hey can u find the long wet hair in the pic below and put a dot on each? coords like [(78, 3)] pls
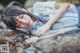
[(13, 9)]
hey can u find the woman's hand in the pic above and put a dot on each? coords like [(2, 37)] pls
[(43, 29), (33, 40)]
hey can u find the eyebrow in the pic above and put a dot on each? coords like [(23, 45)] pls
[(15, 20), (19, 24)]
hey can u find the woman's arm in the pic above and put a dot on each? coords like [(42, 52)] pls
[(62, 9)]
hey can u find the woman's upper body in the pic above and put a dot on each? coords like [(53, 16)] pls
[(45, 16), (54, 16)]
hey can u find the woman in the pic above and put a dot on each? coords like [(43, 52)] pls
[(45, 16)]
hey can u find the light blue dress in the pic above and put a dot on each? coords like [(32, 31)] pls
[(46, 10)]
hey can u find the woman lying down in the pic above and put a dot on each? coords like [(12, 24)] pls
[(45, 16)]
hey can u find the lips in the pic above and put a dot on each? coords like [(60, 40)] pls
[(29, 24)]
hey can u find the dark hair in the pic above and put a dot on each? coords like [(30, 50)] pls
[(13, 9)]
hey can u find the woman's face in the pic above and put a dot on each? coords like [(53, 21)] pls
[(23, 21)]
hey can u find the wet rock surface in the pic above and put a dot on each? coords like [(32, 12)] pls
[(59, 45)]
